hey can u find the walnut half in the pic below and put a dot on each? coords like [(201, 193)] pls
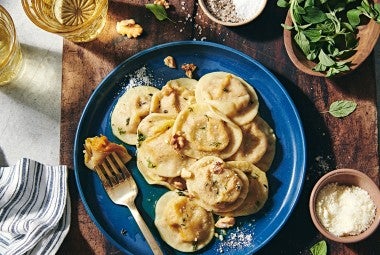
[(189, 69), (178, 141), (170, 62), (164, 3), (129, 28), (225, 222)]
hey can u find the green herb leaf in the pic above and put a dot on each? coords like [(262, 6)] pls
[(319, 248), (342, 108), (158, 11), (282, 3), (314, 15), (326, 30), (353, 17), (302, 42)]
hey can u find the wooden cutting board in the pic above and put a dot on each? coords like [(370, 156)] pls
[(331, 142)]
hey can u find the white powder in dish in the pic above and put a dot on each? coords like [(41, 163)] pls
[(246, 9), (345, 210), (234, 10)]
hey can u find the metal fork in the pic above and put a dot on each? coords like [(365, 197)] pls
[(122, 189)]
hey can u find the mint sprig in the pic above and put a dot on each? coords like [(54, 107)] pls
[(326, 31)]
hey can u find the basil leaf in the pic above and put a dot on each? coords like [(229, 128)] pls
[(319, 248), (342, 108), (158, 11)]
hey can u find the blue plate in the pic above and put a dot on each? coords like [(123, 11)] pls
[(285, 177)]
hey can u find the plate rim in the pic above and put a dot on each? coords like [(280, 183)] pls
[(298, 187)]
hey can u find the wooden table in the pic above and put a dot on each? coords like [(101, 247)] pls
[(331, 142)]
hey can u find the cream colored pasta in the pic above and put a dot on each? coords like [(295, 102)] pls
[(172, 183), (257, 192), (206, 139), (216, 186), (154, 124), (129, 110), (259, 144), (183, 224), (200, 131), (160, 157), (230, 94), (174, 96)]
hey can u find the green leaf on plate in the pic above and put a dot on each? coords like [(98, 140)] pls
[(342, 108), (319, 248)]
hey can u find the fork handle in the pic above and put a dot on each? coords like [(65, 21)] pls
[(145, 230)]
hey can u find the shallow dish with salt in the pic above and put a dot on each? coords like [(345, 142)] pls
[(243, 12), (349, 178)]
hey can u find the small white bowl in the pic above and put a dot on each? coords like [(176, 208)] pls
[(232, 24)]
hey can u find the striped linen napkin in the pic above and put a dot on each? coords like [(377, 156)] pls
[(34, 208)]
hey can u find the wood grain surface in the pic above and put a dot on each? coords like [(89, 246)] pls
[(350, 142)]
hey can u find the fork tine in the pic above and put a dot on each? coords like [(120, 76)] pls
[(121, 165), (106, 182), (109, 173), (116, 173)]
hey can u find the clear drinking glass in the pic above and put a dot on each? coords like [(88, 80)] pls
[(10, 50), (75, 20)]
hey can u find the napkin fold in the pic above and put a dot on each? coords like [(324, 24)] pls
[(34, 208)]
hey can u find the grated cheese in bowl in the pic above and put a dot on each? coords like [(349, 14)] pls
[(345, 210)]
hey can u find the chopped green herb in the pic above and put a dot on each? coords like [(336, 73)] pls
[(215, 144), (121, 131), (181, 193), (127, 121), (150, 164), (195, 245), (140, 138)]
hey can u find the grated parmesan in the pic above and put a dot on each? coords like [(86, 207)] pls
[(345, 210)]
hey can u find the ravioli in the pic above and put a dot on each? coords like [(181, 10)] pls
[(154, 124), (216, 186), (230, 94), (160, 157), (200, 131), (174, 96), (266, 161), (183, 224), (258, 145), (257, 192), (129, 110)]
